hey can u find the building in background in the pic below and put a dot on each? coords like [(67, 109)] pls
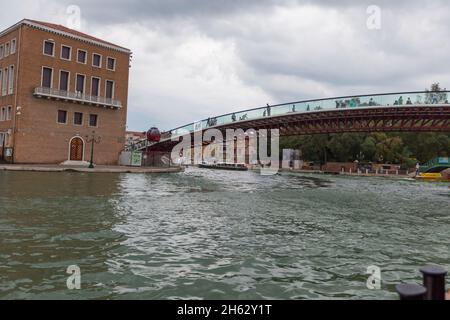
[(58, 86), (135, 136)]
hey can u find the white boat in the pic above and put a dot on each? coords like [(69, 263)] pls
[(224, 166)]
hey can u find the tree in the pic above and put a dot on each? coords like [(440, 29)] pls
[(435, 94), (369, 148), (398, 148), (345, 147)]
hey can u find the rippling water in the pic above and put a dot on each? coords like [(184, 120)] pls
[(216, 235)]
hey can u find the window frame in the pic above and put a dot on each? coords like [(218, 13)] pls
[(11, 79), (14, 40), (96, 120), (101, 60), (70, 52), (107, 63), (43, 48), (68, 80), (66, 118), (85, 57), (76, 83), (82, 119), (99, 85), (7, 48), (8, 113), (113, 93), (42, 77), (4, 81)]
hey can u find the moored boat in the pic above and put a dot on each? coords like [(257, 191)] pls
[(436, 176), (224, 166)]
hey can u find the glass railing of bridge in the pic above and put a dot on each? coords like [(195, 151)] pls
[(395, 99)]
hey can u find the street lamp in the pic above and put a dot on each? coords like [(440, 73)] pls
[(15, 129), (92, 139)]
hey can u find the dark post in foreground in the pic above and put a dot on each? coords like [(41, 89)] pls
[(92, 139), (434, 281), (411, 291), (433, 285)]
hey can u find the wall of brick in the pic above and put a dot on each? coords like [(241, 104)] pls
[(9, 99), (39, 138)]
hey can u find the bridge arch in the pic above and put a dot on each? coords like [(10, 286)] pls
[(416, 111)]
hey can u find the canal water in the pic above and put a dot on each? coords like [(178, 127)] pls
[(216, 235)]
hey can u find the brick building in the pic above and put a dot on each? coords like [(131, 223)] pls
[(58, 86)]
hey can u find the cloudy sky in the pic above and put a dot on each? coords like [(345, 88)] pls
[(197, 58)]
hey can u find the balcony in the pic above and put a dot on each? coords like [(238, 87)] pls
[(76, 97)]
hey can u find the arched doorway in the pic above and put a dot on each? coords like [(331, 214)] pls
[(76, 149)]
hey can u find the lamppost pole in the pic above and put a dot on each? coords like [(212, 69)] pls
[(92, 139)]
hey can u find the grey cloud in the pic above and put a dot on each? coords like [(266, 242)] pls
[(136, 10), (119, 11), (259, 50)]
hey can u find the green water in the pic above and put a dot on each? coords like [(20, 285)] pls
[(216, 234)]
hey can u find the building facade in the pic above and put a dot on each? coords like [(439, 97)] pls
[(58, 86)]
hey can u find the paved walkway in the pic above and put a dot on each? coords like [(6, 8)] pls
[(97, 169)]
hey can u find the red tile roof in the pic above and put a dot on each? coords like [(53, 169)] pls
[(76, 33)]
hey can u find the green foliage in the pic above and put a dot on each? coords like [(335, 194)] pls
[(399, 148), (435, 94)]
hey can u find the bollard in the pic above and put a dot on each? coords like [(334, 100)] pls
[(434, 282), (411, 291)]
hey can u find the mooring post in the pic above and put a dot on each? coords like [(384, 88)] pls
[(434, 282), (408, 291)]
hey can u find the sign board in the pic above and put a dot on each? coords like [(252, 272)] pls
[(443, 160), (136, 159)]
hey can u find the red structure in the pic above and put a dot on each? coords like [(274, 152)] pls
[(153, 135), (416, 118), (382, 119)]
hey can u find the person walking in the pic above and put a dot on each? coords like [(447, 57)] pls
[(417, 169)]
